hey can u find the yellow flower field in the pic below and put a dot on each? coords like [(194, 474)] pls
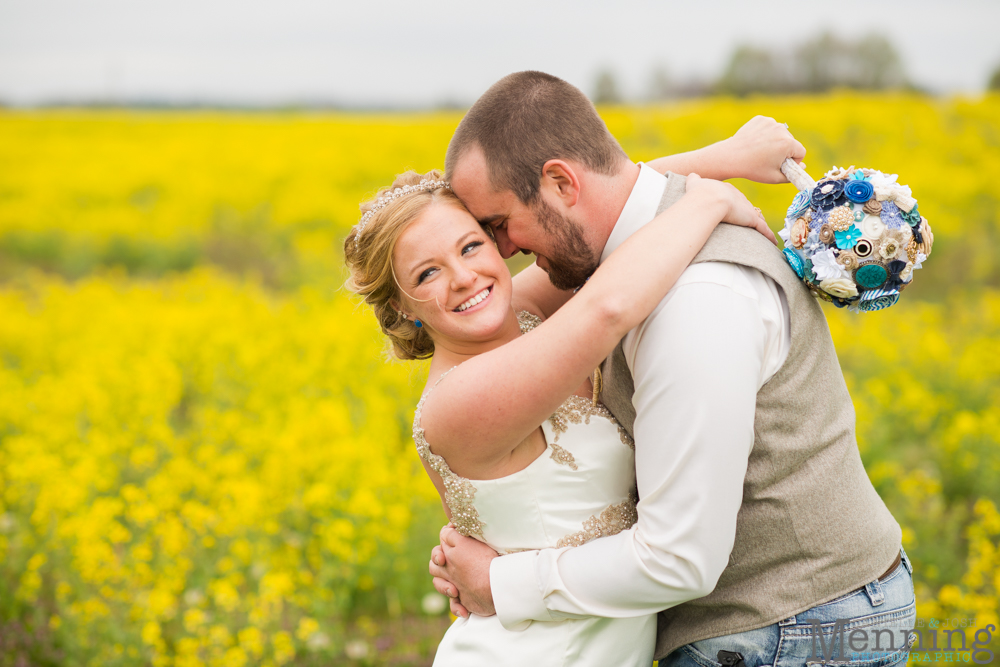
[(206, 459)]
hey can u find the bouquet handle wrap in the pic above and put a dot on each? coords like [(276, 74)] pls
[(797, 176)]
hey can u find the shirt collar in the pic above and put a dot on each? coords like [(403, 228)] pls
[(639, 209)]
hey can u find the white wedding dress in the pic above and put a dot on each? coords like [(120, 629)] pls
[(580, 488)]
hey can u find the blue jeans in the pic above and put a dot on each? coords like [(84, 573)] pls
[(870, 627)]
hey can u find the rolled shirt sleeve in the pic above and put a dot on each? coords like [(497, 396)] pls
[(697, 363)]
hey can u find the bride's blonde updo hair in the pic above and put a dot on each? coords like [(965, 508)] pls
[(368, 252)]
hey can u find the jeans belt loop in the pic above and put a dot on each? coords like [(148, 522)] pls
[(875, 593), (906, 560), (786, 622)]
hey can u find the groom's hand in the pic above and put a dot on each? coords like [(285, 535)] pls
[(758, 148), (461, 569)]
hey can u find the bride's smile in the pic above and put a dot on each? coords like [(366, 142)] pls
[(475, 301)]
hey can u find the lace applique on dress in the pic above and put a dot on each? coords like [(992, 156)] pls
[(613, 520), (459, 493), (560, 455), (577, 410), (528, 321)]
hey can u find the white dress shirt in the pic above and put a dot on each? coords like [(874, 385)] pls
[(698, 361)]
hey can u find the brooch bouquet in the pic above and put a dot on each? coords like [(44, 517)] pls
[(855, 237)]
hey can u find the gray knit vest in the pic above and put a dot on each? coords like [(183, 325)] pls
[(811, 526)]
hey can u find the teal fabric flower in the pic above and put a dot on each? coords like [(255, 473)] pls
[(795, 262), (912, 218), (808, 274), (847, 238)]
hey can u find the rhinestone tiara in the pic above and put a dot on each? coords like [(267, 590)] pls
[(393, 195)]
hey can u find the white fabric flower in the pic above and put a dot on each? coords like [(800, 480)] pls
[(785, 235), (879, 179), (887, 189), (825, 266), (906, 273), (842, 287)]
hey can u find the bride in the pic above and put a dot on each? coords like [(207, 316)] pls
[(509, 428)]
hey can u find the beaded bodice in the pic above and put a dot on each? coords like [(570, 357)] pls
[(579, 489)]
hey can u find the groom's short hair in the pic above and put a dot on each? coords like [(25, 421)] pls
[(526, 119)]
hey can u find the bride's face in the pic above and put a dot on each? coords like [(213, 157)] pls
[(459, 286)]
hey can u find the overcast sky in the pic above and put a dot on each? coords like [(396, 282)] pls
[(419, 53)]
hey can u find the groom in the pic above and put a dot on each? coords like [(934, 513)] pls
[(754, 508)]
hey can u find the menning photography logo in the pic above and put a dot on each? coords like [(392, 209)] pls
[(932, 640)]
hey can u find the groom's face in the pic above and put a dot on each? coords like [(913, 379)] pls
[(557, 242)]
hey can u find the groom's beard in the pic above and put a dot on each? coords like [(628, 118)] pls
[(572, 261)]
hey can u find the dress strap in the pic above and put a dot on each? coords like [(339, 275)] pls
[(441, 377), (417, 426)]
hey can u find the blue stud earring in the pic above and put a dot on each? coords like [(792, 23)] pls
[(418, 323)]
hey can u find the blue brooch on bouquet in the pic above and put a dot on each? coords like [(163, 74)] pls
[(855, 237)]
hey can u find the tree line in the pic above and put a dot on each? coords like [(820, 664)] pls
[(817, 65)]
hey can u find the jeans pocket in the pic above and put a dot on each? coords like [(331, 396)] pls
[(758, 647), (697, 657), (871, 658)]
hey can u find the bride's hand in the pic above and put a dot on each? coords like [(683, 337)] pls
[(739, 210)]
